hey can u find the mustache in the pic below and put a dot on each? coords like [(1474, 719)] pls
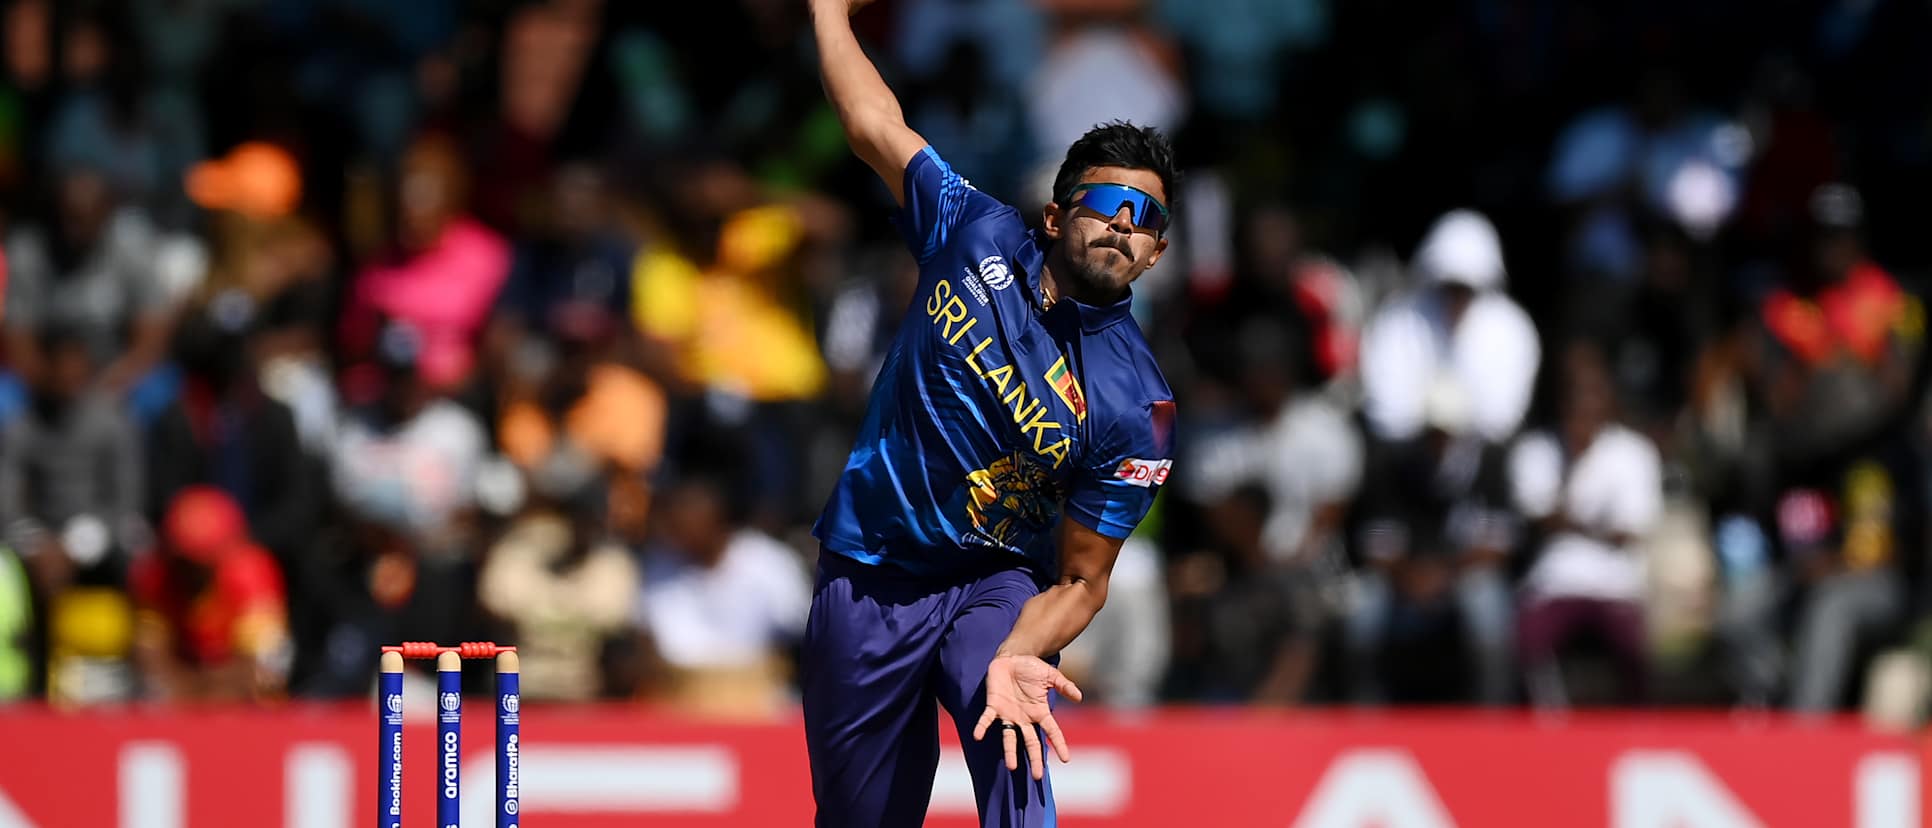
[(1117, 243)]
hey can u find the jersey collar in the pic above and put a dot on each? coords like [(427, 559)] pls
[(1095, 318)]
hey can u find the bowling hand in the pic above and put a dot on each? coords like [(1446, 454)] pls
[(1016, 699)]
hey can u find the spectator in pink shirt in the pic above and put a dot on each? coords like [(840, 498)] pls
[(441, 277)]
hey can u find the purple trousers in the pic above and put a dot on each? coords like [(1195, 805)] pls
[(1548, 624), (883, 651)]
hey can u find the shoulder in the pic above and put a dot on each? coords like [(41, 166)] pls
[(1867, 279), (660, 263), (1628, 446), (1500, 325), (447, 414), (1132, 399), (755, 554), (452, 423), (754, 547), (1402, 316), (474, 245), (252, 572), (472, 234), (133, 244), (1138, 373), (1315, 417), (1499, 308), (959, 202), (130, 230), (612, 560), (631, 384), (1535, 448)]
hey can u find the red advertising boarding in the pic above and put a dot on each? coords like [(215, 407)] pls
[(600, 767)]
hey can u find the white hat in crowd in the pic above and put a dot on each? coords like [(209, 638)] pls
[(1462, 248)]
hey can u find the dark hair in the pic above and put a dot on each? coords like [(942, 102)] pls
[(1119, 144), (716, 485)]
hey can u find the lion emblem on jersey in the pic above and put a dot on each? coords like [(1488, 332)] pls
[(1011, 498)]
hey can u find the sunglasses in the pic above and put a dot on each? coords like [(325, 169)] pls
[(1106, 199)]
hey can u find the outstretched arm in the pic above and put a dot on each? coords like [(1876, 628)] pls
[(1018, 679), (1052, 619), (1101, 510), (874, 125)]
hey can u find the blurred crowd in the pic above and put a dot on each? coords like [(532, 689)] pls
[(1527, 351)]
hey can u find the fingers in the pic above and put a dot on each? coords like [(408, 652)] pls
[(1065, 686), (1056, 738), (1009, 740), (1033, 758), (985, 721)]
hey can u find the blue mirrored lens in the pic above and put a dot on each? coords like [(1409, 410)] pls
[(1107, 199)]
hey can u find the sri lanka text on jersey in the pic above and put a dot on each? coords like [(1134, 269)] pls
[(949, 312)]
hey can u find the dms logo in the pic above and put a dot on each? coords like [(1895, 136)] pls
[(511, 703), (1143, 473), (994, 272), (395, 704), (452, 701)]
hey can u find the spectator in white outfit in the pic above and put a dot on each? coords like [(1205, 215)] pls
[(1459, 323), (1595, 490), (722, 606)]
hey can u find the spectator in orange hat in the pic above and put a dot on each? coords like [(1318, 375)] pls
[(273, 269), (256, 179), (212, 610)]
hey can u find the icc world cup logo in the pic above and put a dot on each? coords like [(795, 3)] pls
[(994, 272), (452, 701), (395, 704), (510, 703)]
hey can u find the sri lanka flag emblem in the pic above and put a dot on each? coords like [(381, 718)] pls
[(1068, 388)]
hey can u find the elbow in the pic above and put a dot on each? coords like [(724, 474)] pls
[(1091, 589), (870, 127)]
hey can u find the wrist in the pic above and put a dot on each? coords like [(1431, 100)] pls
[(1010, 648)]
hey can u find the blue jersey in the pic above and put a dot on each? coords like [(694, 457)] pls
[(993, 415)]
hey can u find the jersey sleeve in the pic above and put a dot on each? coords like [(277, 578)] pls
[(1131, 462), (938, 202)]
